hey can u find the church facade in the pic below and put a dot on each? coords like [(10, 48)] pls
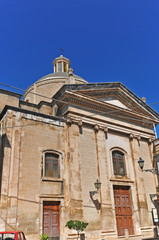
[(55, 143)]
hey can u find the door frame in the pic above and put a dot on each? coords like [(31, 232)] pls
[(52, 204), (41, 212), (128, 187)]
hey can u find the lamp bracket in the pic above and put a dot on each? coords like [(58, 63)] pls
[(152, 196), (154, 200), (150, 170)]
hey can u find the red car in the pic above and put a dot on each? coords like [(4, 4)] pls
[(12, 235)]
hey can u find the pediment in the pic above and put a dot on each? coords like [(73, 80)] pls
[(115, 97), (109, 95), (114, 101), (119, 96)]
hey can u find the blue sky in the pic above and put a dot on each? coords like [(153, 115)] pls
[(105, 40)]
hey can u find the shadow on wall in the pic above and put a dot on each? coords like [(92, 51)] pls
[(96, 202), (4, 142)]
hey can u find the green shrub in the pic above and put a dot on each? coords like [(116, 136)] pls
[(44, 237), (79, 226)]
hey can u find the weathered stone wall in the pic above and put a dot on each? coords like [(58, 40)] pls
[(85, 156), (8, 98), (93, 151), (22, 182)]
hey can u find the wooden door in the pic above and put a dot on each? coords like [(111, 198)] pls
[(123, 210), (51, 225)]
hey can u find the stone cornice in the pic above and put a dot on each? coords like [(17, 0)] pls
[(122, 180), (17, 95), (115, 92), (104, 87), (103, 107), (107, 127), (30, 115)]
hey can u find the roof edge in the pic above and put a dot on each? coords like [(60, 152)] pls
[(22, 110), (17, 95)]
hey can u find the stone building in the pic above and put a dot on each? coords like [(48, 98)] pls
[(58, 140)]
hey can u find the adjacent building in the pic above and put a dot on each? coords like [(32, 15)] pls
[(55, 143)]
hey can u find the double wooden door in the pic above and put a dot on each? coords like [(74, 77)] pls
[(51, 223), (123, 210)]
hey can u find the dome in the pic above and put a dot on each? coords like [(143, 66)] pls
[(59, 75), (46, 87)]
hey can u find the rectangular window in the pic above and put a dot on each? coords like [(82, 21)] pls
[(65, 67), (51, 165), (10, 236), (59, 67)]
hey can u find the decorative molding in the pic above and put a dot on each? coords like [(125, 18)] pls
[(111, 127), (106, 109), (69, 121), (96, 128), (131, 136), (51, 196), (105, 129), (121, 180), (20, 115), (80, 123), (138, 137), (150, 140)]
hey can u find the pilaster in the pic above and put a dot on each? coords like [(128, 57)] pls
[(74, 166), (139, 181)]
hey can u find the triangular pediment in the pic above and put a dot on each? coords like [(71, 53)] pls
[(114, 101), (118, 95), (113, 95)]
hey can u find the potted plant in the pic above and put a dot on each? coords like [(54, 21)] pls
[(44, 237), (77, 225)]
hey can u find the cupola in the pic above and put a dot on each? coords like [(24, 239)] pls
[(51, 83), (61, 64)]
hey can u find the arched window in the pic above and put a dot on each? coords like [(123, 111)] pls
[(118, 163), (51, 165)]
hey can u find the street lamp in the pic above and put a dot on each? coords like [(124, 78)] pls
[(141, 164), (97, 185)]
